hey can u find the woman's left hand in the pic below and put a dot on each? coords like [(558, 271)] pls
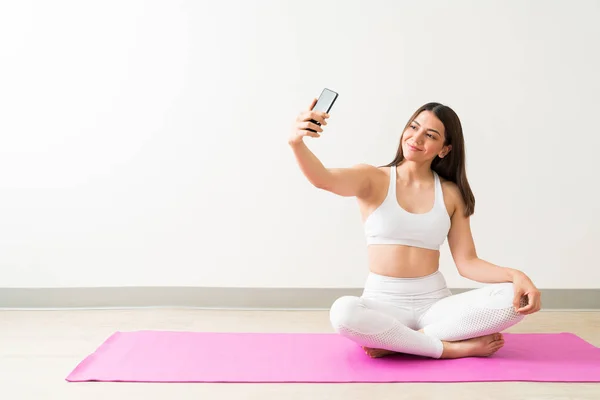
[(524, 287)]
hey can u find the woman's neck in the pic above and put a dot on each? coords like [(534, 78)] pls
[(415, 172)]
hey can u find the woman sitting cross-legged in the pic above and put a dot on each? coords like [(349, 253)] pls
[(409, 208)]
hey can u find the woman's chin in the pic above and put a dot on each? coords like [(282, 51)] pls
[(412, 156), (416, 156)]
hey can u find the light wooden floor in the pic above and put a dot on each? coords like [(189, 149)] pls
[(39, 348)]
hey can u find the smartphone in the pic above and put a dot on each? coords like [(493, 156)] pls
[(324, 103)]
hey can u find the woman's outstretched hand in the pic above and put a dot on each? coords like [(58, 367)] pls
[(524, 287), (303, 123)]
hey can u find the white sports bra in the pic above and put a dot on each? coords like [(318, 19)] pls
[(391, 224)]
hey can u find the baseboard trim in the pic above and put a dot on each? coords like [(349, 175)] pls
[(231, 298)]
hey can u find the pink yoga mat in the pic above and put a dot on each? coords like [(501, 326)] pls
[(158, 356)]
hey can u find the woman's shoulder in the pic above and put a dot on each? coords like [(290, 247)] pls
[(451, 193), (385, 169), (372, 169), (447, 183)]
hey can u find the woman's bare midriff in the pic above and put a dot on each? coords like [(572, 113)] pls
[(394, 260), (402, 261)]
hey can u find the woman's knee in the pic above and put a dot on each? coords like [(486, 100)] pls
[(502, 298), (502, 295), (343, 311)]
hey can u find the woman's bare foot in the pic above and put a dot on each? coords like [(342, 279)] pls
[(377, 353), (483, 346)]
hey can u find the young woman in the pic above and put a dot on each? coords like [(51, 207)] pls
[(409, 207)]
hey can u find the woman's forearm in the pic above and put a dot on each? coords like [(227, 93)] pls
[(485, 272)]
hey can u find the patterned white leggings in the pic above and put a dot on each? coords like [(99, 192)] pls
[(391, 310)]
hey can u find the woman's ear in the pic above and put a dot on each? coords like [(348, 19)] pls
[(445, 151)]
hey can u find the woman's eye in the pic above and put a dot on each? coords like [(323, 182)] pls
[(429, 135), (413, 127)]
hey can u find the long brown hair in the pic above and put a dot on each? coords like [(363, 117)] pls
[(452, 166)]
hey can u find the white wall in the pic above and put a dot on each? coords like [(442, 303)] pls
[(144, 143)]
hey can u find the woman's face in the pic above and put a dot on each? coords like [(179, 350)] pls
[(424, 138)]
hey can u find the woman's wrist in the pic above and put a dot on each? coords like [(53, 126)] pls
[(515, 274)]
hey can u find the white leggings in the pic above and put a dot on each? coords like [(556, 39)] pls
[(391, 310)]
